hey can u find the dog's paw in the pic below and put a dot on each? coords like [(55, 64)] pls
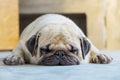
[(101, 59), (13, 60)]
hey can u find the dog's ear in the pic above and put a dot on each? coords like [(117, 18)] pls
[(32, 44), (85, 47)]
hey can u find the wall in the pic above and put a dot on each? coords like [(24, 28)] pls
[(8, 24)]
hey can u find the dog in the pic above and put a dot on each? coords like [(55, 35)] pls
[(53, 39)]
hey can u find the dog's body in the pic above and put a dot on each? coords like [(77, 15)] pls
[(53, 39)]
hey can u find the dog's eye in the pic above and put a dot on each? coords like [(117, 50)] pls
[(45, 50), (74, 51)]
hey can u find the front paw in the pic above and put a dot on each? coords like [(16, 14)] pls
[(13, 60), (101, 59)]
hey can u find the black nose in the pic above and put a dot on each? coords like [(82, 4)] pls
[(60, 53)]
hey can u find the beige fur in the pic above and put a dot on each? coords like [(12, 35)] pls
[(58, 31)]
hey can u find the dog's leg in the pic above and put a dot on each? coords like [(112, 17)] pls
[(95, 56), (16, 58)]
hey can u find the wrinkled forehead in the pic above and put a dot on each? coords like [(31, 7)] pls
[(60, 28), (59, 41), (57, 34)]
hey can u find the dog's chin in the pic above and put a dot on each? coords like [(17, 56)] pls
[(54, 61)]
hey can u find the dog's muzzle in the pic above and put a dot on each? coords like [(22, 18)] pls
[(59, 54), (60, 57)]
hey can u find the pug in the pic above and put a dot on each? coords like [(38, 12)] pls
[(54, 39)]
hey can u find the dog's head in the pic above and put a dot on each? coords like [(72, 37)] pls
[(59, 45)]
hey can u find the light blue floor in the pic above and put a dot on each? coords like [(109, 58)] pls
[(79, 72)]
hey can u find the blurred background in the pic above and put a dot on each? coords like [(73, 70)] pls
[(99, 19)]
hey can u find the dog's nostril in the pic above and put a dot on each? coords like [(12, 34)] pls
[(60, 53)]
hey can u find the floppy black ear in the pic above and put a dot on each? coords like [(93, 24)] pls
[(85, 47), (32, 44)]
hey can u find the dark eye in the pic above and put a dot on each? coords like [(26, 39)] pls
[(74, 51), (45, 50)]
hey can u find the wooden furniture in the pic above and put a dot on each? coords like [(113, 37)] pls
[(99, 19), (94, 10), (8, 24), (113, 24)]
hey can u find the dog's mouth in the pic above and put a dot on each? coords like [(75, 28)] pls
[(55, 61), (60, 56)]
